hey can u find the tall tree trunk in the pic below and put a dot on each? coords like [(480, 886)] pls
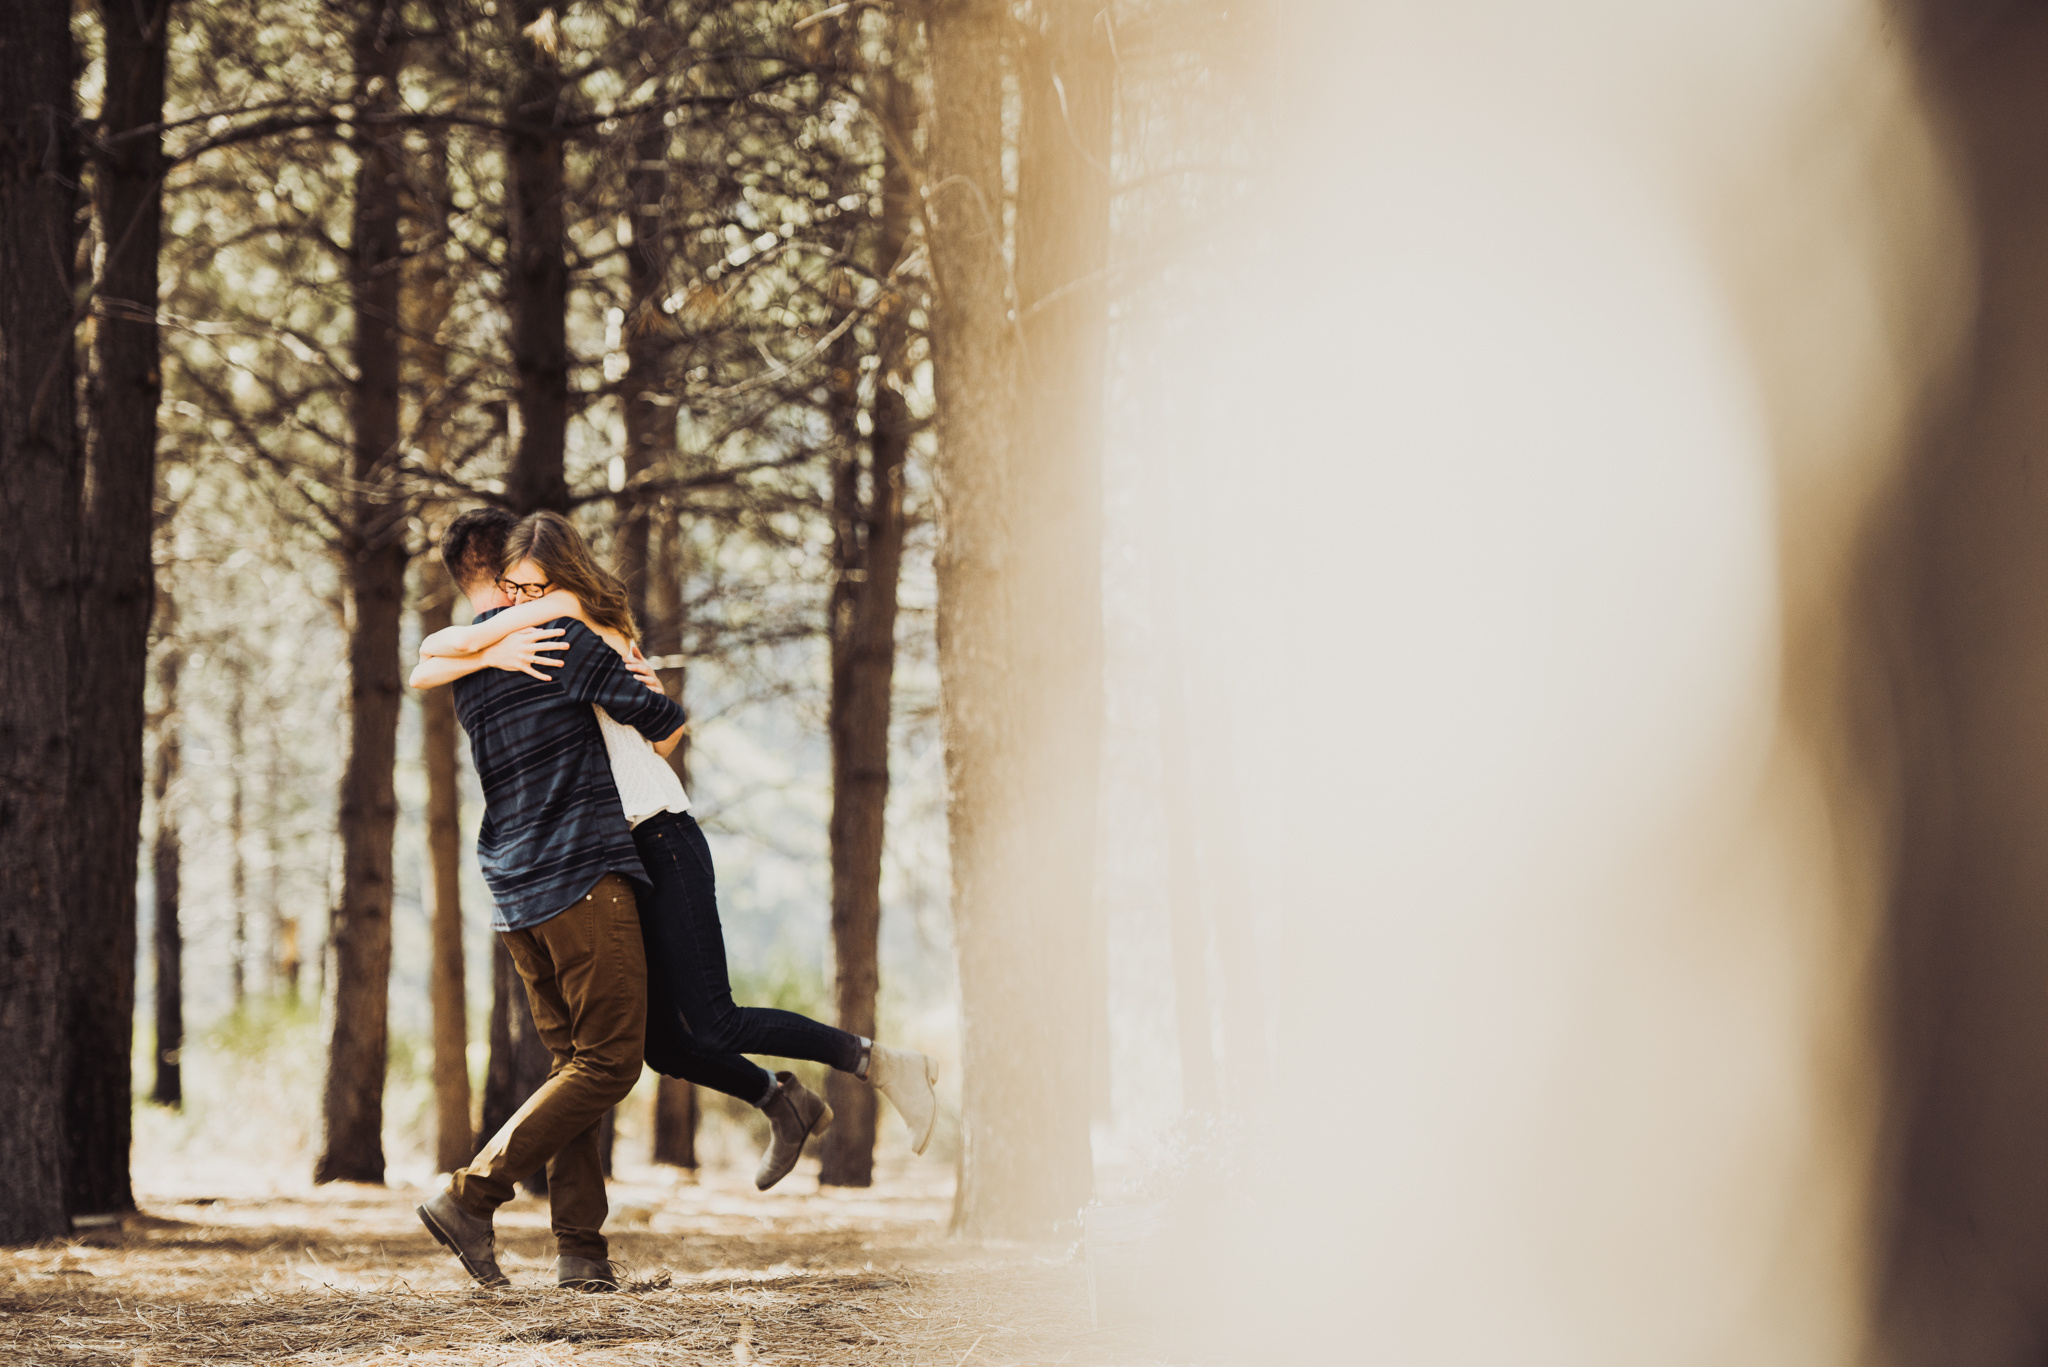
[(1025, 1163), (352, 1147), (536, 271), (676, 1108), (675, 1123), (168, 1088), (447, 990), (537, 295), (868, 551), (428, 292), (115, 604), (39, 486), (648, 405)]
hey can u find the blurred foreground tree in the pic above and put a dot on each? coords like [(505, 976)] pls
[(1019, 584), (39, 526)]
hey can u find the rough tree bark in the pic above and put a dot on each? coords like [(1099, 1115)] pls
[(868, 555), (39, 482), (168, 1087), (115, 600), (536, 271), (374, 548), (646, 401)]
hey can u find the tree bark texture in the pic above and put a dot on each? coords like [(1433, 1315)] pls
[(352, 1147), (115, 600), (645, 398), (168, 1087), (868, 553), (39, 489), (536, 271)]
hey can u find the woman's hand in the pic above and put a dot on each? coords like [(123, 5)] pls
[(641, 670), (525, 648)]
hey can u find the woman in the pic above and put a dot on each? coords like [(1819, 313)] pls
[(695, 1029)]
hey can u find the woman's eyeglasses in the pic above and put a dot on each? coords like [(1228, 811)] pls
[(519, 593)]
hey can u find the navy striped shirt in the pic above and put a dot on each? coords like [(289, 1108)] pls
[(553, 825)]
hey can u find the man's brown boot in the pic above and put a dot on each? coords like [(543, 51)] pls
[(469, 1237), (796, 1113), (585, 1274)]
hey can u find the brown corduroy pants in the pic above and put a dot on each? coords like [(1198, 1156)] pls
[(586, 977)]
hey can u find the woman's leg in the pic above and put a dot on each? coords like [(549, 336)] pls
[(686, 952), (673, 1053)]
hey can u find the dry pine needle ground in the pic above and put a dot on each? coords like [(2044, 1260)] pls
[(715, 1274)]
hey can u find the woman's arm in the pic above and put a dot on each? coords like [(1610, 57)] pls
[(483, 635), (518, 652)]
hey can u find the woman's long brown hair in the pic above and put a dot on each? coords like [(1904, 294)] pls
[(550, 542)]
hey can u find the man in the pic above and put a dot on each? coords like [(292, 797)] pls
[(561, 866)]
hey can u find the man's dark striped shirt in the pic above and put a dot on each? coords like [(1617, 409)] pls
[(553, 825)]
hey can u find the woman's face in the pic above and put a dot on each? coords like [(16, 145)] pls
[(524, 582)]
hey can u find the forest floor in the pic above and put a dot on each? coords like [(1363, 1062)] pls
[(713, 1272)]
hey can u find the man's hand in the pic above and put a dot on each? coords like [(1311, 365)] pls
[(637, 665), (524, 649)]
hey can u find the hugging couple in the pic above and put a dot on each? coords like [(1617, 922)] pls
[(604, 893)]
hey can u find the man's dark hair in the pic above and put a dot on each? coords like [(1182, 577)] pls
[(473, 547)]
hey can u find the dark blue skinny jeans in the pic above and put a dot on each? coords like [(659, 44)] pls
[(694, 1028)]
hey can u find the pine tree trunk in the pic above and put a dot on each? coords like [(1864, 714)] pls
[(676, 1108), (536, 271), (447, 989), (352, 1147), (675, 1123), (428, 292), (168, 1088), (868, 545), (39, 848), (1024, 1160), (115, 602), (645, 397)]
